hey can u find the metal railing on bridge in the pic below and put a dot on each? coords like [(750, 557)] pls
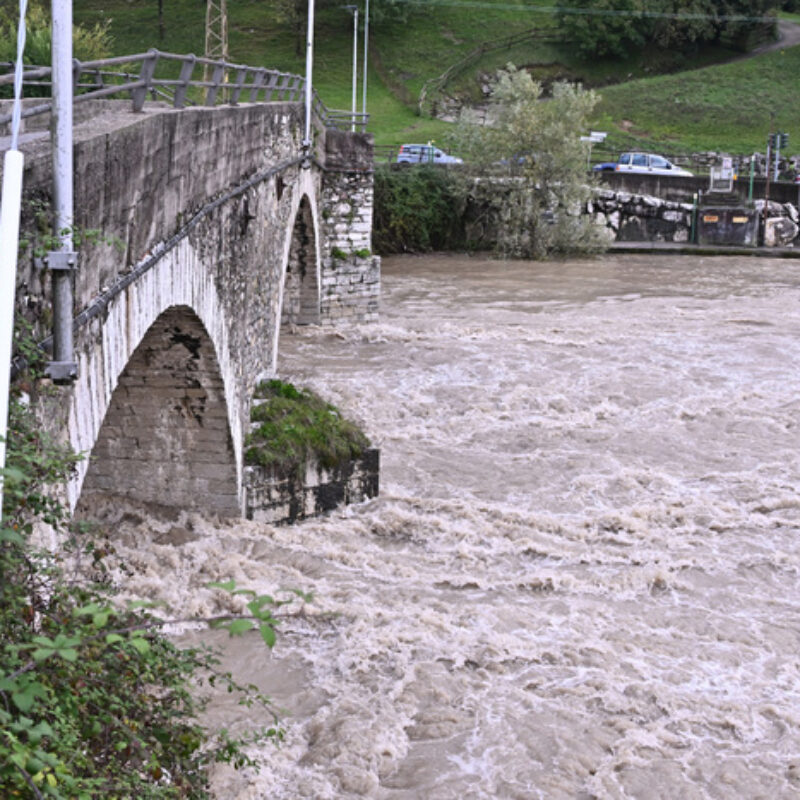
[(169, 77)]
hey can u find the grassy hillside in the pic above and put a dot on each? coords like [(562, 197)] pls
[(730, 106)]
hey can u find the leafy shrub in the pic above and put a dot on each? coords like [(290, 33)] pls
[(416, 209), (88, 43), (295, 426), (94, 700)]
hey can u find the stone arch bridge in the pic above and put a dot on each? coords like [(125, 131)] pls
[(215, 232)]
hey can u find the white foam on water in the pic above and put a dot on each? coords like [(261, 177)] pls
[(581, 579)]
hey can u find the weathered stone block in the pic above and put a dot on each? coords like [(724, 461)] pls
[(279, 498)]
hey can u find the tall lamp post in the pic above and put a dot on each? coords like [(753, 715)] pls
[(309, 70), (354, 11), (62, 261), (366, 41)]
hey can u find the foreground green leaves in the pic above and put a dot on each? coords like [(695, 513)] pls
[(94, 700)]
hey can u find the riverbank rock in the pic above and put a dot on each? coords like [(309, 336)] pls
[(779, 231)]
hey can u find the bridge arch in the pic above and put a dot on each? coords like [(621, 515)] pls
[(299, 296), (165, 437), (172, 307), (300, 303)]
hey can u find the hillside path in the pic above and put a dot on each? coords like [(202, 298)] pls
[(788, 36)]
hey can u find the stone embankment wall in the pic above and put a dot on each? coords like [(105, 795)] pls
[(628, 217), (683, 189), (639, 217)]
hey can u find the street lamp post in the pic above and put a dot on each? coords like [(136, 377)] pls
[(364, 81), (309, 70), (354, 11)]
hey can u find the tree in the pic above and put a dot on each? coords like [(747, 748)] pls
[(88, 43), (616, 27), (603, 27), (546, 185)]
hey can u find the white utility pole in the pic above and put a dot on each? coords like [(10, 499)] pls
[(309, 70), (354, 11), (10, 204), (366, 43), (13, 162)]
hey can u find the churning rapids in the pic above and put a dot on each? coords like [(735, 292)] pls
[(582, 576)]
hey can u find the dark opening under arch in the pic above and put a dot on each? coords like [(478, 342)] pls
[(165, 438), (301, 283)]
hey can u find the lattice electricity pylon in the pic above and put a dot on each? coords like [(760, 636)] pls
[(216, 33)]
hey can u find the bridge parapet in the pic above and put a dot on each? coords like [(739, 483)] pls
[(169, 76)]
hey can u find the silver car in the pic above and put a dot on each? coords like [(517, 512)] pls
[(648, 164), (424, 154)]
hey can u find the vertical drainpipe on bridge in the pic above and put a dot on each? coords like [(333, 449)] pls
[(309, 70), (62, 262)]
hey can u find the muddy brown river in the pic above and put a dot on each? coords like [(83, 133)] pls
[(581, 578)]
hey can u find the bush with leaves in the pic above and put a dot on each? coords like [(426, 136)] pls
[(619, 27), (529, 160), (95, 701), (88, 43), (417, 209)]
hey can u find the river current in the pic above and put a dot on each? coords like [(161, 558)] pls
[(582, 576)]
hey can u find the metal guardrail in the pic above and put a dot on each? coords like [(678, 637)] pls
[(223, 83)]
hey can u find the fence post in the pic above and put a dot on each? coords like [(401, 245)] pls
[(258, 82), (241, 77), (187, 68), (216, 80), (271, 85), (77, 69), (139, 93), (294, 88), (284, 86)]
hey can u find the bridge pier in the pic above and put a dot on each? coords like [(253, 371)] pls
[(350, 272)]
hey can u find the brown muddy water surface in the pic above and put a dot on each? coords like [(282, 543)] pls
[(581, 577)]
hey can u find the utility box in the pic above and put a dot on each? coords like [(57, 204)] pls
[(727, 225), (722, 177)]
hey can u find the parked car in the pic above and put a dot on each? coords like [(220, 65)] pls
[(424, 154), (647, 164)]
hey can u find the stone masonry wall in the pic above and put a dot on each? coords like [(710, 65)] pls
[(167, 424), (630, 217), (639, 217)]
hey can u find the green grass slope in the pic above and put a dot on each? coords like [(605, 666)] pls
[(730, 107), (662, 101)]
